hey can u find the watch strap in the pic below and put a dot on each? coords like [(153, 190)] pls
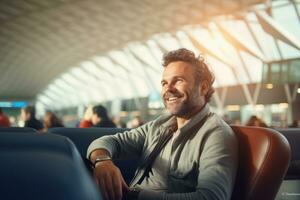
[(100, 159)]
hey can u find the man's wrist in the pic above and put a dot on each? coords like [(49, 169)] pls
[(101, 158)]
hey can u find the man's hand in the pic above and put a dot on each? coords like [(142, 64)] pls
[(110, 180)]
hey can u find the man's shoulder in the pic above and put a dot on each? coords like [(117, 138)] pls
[(217, 120), (160, 120), (216, 123), (154, 125)]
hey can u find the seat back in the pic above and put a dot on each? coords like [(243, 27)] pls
[(83, 137), (42, 167), (264, 156), (290, 188), (293, 137), (18, 130)]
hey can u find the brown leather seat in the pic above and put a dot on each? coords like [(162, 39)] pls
[(264, 156)]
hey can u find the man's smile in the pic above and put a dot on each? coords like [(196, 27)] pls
[(171, 98)]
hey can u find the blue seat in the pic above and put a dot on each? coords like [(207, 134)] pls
[(43, 167), (82, 138), (18, 130), (290, 188), (293, 137)]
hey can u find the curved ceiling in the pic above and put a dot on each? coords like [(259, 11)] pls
[(39, 40), (66, 53)]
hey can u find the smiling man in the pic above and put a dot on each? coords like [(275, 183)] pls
[(189, 153)]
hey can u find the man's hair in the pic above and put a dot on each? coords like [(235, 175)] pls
[(0, 110), (100, 111), (203, 73), (30, 110)]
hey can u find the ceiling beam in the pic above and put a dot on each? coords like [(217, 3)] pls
[(276, 30)]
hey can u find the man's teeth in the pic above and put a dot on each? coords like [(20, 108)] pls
[(172, 98)]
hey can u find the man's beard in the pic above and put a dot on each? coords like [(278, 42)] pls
[(183, 108)]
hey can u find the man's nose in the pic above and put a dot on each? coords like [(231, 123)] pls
[(169, 88)]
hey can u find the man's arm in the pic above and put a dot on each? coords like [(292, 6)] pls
[(107, 175), (122, 145), (98, 153), (217, 170)]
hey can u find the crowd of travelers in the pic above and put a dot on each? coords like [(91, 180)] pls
[(97, 116), (94, 116)]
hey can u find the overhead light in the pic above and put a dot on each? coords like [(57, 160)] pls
[(298, 90), (259, 107), (233, 107), (269, 86), (283, 105)]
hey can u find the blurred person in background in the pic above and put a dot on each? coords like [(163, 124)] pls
[(28, 116), (294, 124), (118, 122), (13, 121), (86, 122), (255, 121), (135, 122), (100, 117), (51, 121), (4, 121)]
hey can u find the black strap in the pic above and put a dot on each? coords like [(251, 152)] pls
[(147, 165), (157, 149)]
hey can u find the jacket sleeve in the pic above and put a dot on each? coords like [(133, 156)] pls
[(217, 170), (122, 145)]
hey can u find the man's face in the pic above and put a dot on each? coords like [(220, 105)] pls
[(182, 94)]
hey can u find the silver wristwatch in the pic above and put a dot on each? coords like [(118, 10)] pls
[(101, 158)]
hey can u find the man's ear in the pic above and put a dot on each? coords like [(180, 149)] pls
[(204, 88)]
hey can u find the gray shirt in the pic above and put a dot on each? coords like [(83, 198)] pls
[(157, 179), (202, 161)]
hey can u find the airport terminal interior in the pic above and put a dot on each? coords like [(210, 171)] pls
[(62, 61), (67, 55)]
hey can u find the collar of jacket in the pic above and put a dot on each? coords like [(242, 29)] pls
[(171, 123)]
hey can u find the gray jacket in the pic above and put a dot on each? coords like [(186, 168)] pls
[(203, 161)]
